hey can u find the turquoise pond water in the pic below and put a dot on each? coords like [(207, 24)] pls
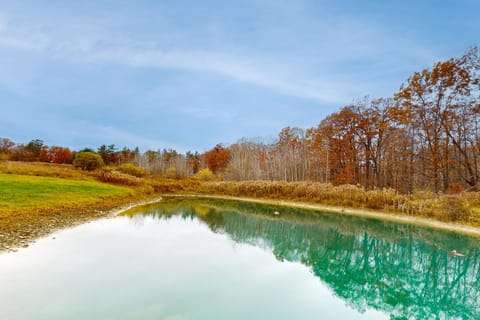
[(218, 259)]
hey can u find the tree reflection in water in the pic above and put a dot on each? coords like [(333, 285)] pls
[(404, 270)]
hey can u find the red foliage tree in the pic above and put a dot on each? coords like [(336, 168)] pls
[(59, 155), (218, 158)]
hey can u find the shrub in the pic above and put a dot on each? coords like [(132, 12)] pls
[(172, 173), (131, 169), (167, 185), (107, 174), (205, 174), (4, 156), (455, 188), (87, 161), (455, 208)]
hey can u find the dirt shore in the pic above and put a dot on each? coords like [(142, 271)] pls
[(24, 233)]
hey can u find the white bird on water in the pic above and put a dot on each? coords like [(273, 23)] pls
[(276, 213), (457, 254)]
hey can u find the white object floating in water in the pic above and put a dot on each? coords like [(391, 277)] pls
[(276, 213), (457, 254)]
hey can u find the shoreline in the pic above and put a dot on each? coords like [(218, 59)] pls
[(392, 217), (13, 244), (115, 212)]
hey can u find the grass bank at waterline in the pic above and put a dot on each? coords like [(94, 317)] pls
[(34, 206)]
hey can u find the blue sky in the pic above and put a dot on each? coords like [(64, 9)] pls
[(190, 74)]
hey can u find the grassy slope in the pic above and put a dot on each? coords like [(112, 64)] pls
[(38, 199), (20, 192)]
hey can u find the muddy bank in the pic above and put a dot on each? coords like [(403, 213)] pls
[(23, 229)]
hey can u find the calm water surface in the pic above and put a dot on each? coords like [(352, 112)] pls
[(214, 259)]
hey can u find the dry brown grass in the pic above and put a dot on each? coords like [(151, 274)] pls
[(162, 185), (444, 207), (42, 169), (110, 175), (131, 169)]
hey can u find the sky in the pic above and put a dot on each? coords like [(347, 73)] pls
[(187, 75)]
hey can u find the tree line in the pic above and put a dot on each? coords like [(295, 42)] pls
[(426, 136)]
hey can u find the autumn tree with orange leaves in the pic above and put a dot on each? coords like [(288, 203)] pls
[(59, 155), (218, 158), (442, 107)]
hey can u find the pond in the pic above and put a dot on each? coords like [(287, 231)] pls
[(187, 258)]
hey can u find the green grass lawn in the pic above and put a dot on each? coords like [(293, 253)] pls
[(20, 192)]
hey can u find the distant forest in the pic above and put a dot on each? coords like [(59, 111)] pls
[(427, 136)]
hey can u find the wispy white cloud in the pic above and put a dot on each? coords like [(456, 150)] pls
[(318, 71), (203, 112), (249, 71), (257, 70)]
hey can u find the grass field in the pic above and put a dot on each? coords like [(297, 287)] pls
[(21, 192), (33, 205)]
